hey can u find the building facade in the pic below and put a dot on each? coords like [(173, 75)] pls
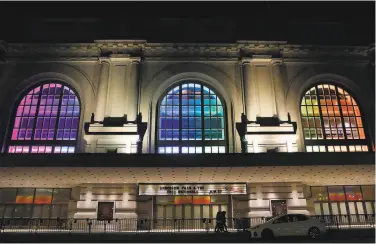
[(120, 129)]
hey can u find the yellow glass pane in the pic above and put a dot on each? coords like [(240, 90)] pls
[(304, 111), (316, 111), (309, 111)]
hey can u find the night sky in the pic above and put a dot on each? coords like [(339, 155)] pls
[(327, 23)]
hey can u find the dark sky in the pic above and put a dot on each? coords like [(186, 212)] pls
[(346, 23)]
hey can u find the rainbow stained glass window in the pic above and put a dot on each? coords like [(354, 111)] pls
[(331, 121), (191, 119), (46, 121)]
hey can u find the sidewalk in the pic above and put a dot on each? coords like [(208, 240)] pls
[(366, 236)]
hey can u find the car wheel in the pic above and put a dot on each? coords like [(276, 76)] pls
[(267, 234), (314, 233)]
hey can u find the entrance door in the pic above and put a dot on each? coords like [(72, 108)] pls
[(105, 211), (279, 207)]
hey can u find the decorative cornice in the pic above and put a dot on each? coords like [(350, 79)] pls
[(140, 48)]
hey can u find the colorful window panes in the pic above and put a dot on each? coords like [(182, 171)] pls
[(353, 193), (201, 200), (368, 192), (330, 113), (48, 118), (336, 193), (191, 116), (182, 200), (319, 193)]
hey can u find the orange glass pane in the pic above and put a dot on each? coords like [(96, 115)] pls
[(182, 200), (201, 199), (359, 121), (357, 112), (24, 199), (43, 200), (361, 133), (324, 111)]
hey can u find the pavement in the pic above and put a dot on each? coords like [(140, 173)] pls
[(335, 236)]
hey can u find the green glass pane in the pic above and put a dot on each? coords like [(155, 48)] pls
[(218, 101), (303, 101), (303, 110), (221, 134), (213, 110), (206, 111), (207, 134), (221, 123), (213, 101), (198, 122), (220, 111), (214, 134), (207, 122), (310, 111)]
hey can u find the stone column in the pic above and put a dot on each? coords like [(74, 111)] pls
[(250, 91), (102, 90), (133, 90), (279, 89)]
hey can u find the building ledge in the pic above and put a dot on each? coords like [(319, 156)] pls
[(203, 160)]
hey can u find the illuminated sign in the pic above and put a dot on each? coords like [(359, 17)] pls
[(191, 189)]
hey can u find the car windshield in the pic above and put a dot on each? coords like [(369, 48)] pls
[(272, 219)]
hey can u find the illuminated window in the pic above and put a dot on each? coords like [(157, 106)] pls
[(331, 121), (191, 120), (46, 121)]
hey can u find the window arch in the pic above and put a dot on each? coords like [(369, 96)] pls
[(332, 121), (46, 120), (191, 119)]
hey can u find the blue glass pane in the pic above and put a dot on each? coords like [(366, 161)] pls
[(192, 122), (207, 122), (198, 122), (169, 123), (191, 134), (162, 111), (175, 111), (207, 134), (191, 111), (175, 134), (214, 134), (184, 134), (184, 110), (163, 101), (218, 101), (206, 100), (176, 123), (198, 111), (213, 101), (206, 90), (198, 100), (184, 123), (169, 111), (162, 123), (198, 135), (213, 123), (221, 134), (184, 100), (162, 135), (169, 134)]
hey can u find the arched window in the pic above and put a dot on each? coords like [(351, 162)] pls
[(191, 120), (45, 121), (332, 121)]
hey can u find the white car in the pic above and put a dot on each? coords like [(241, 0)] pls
[(289, 225)]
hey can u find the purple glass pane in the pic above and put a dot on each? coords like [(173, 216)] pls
[(74, 123), (59, 135), (44, 134), (28, 134), (50, 100), (19, 110), (39, 123), (66, 135), (169, 123), (17, 122), (41, 110), (76, 111), (65, 100), (63, 110), (68, 123), (30, 124), (26, 111), (43, 100), (21, 134), (51, 134), (24, 123), (33, 110), (73, 135), (37, 134), (48, 111), (46, 122), (61, 123), (52, 123)]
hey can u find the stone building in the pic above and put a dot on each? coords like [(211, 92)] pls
[(130, 129)]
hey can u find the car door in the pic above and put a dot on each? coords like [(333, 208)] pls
[(299, 224), (280, 226)]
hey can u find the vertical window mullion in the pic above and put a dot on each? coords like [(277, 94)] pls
[(36, 113), (203, 119), (342, 117), (180, 117), (58, 117), (320, 112)]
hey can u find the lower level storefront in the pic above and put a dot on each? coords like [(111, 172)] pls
[(165, 202)]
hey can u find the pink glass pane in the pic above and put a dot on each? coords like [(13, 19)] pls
[(43, 110)]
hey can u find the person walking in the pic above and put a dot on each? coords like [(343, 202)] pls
[(218, 220), (224, 226)]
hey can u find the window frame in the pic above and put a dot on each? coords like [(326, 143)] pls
[(334, 142), (53, 143), (191, 143)]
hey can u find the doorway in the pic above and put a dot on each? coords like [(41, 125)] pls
[(105, 211), (279, 207)]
